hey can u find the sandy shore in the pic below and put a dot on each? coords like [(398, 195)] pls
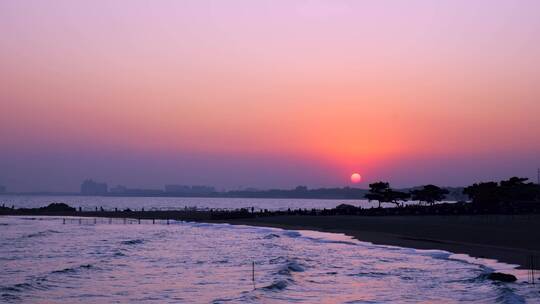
[(506, 238)]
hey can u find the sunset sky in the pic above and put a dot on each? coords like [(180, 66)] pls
[(267, 93)]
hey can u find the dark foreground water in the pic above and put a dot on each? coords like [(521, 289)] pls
[(45, 261)]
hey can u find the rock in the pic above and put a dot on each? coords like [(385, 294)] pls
[(58, 207), (345, 208), (502, 277)]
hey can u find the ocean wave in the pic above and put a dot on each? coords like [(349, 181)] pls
[(245, 297), (271, 236), (224, 261), (369, 274), (294, 267), (161, 234), (9, 289), (200, 224), (10, 298), (133, 242), (41, 233), (119, 254), (278, 260), (436, 254), (293, 234), (504, 295), (333, 241), (23, 287), (277, 285), (74, 269), (287, 263), (507, 295), (41, 283), (290, 266)]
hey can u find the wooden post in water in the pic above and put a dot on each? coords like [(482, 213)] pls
[(139, 221), (253, 274), (153, 221), (532, 264), (63, 221)]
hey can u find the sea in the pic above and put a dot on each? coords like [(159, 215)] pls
[(97, 260), (89, 203)]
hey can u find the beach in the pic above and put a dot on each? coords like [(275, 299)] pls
[(506, 238)]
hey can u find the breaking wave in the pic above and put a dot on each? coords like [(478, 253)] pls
[(133, 242)]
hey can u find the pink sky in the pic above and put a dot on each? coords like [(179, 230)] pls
[(267, 93)]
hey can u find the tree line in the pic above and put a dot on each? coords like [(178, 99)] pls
[(485, 194)]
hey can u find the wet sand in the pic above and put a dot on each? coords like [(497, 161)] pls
[(506, 238)]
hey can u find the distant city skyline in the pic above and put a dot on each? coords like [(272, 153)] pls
[(90, 186), (268, 94)]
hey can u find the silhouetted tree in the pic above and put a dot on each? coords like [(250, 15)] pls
[(381, 192), (515, 189), (393, 196), (429, 194), (377, 192), (485, 194)]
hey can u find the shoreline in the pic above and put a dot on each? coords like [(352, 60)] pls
[(506, 238), (494, 246)]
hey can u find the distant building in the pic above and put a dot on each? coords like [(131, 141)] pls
[(202, 189), (301, 189), (182, 189), (143, 192), (250, 189), (90, 187), (2, 189), (177, 189), (125, 191), (118, 189)]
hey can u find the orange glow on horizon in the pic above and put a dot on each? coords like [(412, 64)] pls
[(372, 87)]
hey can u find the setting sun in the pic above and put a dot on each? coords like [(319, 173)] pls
[(356, 178)]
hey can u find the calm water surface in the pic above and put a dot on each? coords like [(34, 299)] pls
[(94, 261), (167, 203)]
